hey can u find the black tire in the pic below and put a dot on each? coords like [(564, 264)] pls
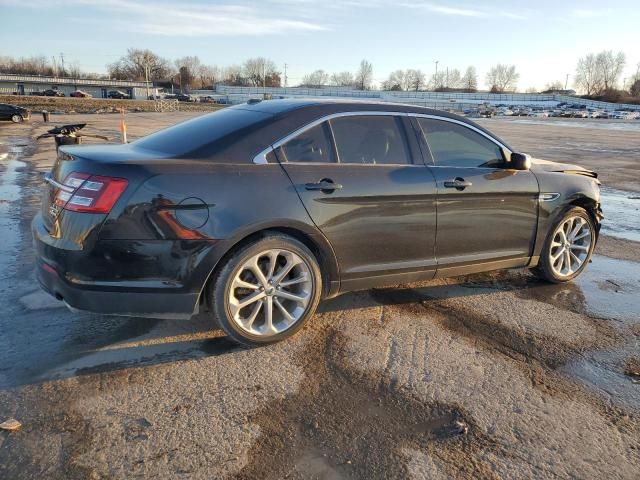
[(223, 277), (15, 118), (544, 269)]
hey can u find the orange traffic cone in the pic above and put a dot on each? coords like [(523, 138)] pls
[(123, 128)]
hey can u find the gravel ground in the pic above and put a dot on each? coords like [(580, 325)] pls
[(488, 376)]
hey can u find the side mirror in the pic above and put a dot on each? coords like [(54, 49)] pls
[(519, 161)]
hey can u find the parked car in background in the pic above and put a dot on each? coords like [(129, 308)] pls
[(80, 94), (48, 93), (257, 211), (182, 97), (118, 94), (14, 113), (207, 99)]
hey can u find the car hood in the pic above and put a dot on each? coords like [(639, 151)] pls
[(539, 165)]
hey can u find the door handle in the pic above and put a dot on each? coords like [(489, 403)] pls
[(458, 183), (325, 185)]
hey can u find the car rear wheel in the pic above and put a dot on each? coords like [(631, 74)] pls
[(568, 247), (266, 290), (16, 118)]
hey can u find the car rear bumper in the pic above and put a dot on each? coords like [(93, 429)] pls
[(108, 293)]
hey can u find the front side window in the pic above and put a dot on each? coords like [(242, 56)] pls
[(370, 139), (311, 146), (454, 145)]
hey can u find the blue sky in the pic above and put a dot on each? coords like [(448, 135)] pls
[(543, 38)]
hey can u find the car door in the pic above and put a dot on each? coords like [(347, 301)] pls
[(5, 112), (366, 188), (487, 213)]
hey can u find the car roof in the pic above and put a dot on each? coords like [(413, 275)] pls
[(282, 106)]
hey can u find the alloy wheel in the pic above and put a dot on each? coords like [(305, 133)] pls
[(570, 246), (270, 292)]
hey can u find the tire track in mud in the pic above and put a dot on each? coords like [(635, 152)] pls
[(344, 425)]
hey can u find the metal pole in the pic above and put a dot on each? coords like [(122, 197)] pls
[(146, 77), (566, 82), (62, 60)]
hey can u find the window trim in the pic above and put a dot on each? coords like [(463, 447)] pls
[(506, 151), (261, 158)]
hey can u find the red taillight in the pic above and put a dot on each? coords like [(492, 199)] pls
[(91, 193)]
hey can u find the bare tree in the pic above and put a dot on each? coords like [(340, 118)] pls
[(232, 75), (416, 80), (438, 81), (187, 71), (453, 79), (469, 80), (554, 86), (502, 78), (208, 75), (38, 65), (261, 71), (634, 90), (316, 79), (588, 78), (397, 81), (139, 64), (611, 67), (342, 79), (364, 77)]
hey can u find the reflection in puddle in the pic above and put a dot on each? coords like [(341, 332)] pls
[(622, 214), (611, 289), (10, 192)]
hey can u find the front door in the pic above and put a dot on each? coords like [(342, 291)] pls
[(487, 213), (367, 195)]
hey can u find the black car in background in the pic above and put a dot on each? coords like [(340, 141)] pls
[(14, 113), (47, 93), (258, 211), (181, 97), (118, 94)]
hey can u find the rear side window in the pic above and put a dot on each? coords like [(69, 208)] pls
[(370, 139), (454, 145), (311, 146), (194, 134)]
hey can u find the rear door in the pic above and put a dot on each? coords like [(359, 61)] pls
[(365, 186), (486, 212)]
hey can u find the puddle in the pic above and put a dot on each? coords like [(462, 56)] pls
[(604, 372), (611, 289), (10, 192), (622, 214)]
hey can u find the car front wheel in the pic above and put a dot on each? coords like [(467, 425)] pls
[(16, 118), (568, 246), (266, 290)]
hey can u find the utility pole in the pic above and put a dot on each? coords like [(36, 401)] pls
[(285, 75), (264, 78), (566, 82), (62, 61), (435, 77), (55, 67), (146, 78), (447, 82)]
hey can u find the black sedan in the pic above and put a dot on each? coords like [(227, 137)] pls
[(256, 212), (14, 113), (118, 94)]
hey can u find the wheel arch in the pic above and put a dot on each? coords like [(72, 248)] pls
[(314, 241)]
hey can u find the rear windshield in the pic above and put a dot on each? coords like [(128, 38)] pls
[(194, 134)]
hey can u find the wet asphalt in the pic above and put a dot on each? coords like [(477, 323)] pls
[(488, 376)]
